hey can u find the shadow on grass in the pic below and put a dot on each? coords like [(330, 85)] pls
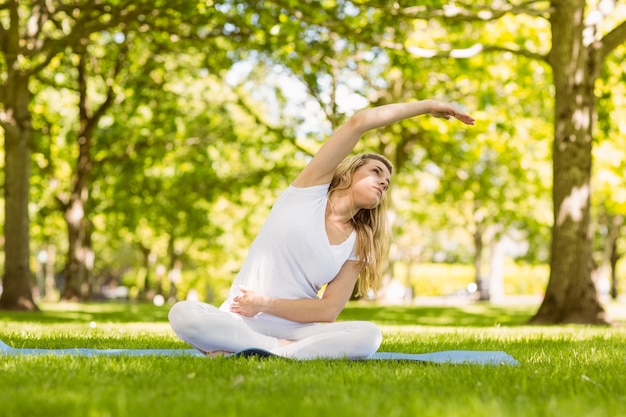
[(86, 312), (477, 315)]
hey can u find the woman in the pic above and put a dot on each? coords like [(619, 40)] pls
[(327, 229)]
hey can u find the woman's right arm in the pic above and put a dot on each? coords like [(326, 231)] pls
[(303, 310), (339, 145)]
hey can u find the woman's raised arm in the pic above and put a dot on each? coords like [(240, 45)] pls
[(339, 145)]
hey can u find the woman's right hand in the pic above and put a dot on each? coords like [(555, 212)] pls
[(249, 303), (447, 110)]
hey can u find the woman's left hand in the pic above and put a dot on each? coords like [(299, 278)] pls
[(249, 303)]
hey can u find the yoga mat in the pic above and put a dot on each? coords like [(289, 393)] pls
[(449, 357)]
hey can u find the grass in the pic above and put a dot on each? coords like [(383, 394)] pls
[(565, 370)]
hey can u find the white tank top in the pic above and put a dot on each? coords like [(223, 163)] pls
[(292, 257)]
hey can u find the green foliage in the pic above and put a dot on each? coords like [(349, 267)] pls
[(187, 162), (609, 207), (439, 279)]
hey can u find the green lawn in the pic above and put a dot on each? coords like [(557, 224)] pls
[(564, 371)]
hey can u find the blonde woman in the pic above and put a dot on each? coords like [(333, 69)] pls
[(327, 229)]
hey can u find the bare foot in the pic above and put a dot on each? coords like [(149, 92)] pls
[(285, 342), (217, 353)]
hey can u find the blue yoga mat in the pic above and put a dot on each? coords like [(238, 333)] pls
[(449, 356)]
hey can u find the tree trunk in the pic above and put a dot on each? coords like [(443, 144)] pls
[(614, 259), (49, 283), (613, 255), (174, 274), (77, 268), (15, 119), (482, 283), (571, 295), (79, 264), (496, 270), (147, 260)]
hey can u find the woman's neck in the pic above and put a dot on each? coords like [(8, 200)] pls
[(339, 208)]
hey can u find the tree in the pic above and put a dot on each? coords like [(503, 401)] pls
[(32, 35), (580, 47), (15, 120), (583, 34), (334, 43), (79, 263)]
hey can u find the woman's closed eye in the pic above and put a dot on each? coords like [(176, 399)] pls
[(379, 173)]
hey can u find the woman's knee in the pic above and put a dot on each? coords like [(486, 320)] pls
[(184, 316), (366, 339), (371, 337)]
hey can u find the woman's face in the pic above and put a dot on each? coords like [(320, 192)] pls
[(370, 183)]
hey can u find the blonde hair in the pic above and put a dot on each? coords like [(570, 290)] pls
[(371, 225)]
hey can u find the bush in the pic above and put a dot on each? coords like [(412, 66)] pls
[(439, 279)]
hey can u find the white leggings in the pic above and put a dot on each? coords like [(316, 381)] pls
[(208, 328)]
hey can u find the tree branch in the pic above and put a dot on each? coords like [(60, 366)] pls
[(3, 36), (275, 130), (110, 92), (86, 24), (464, 52), (459, 11), (613, 39), (468, 12)]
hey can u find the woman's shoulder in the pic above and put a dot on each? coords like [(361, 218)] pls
[(309, 193), (310, 188)]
